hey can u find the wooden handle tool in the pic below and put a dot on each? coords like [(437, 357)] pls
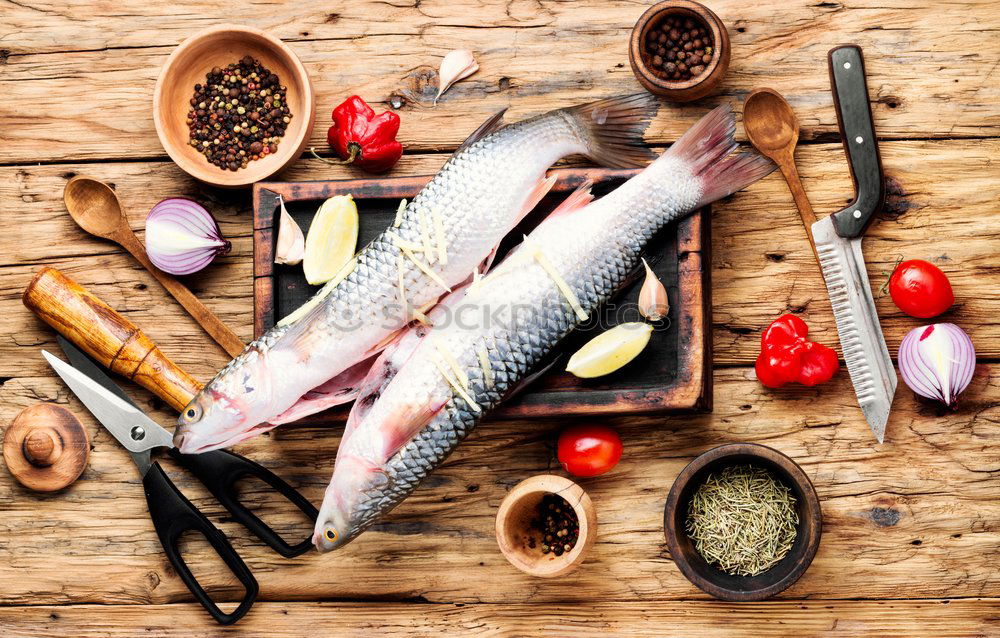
[(109, 338)]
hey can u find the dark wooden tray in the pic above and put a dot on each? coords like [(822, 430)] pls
[(674, 373)]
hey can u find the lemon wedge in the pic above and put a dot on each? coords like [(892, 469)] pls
[(332, 239), (610, 350)]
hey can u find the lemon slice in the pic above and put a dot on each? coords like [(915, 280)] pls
[(332, 239), (610, 350)]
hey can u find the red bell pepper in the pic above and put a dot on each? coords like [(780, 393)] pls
[(360, 137), (787, 356)]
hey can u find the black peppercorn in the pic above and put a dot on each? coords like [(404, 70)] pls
[(678, 48)]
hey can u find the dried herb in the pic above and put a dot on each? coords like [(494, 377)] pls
[(742, 520), (556, 524)]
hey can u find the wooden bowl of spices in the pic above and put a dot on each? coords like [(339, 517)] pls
[(233, 105), (546, 525), (679, 49), (742, 522)]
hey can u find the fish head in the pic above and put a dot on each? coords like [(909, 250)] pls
[(231, 408), (345, 512)]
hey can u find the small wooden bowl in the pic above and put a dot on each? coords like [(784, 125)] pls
[(696, 87), (187, 66), (519, 508), (714, 581)]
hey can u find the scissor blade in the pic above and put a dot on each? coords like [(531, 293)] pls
[(133, 429), (83, 363), (861, 339)]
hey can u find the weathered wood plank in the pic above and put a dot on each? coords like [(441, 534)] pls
[(762, 262), (916, 516), (691, 619), (84, 81)]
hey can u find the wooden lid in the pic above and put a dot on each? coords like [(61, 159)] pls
[(45, 447)]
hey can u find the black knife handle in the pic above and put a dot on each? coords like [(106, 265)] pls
[(857, 129), (173, 514), (220, 470)]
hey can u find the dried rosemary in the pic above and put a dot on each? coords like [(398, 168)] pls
[(742, 520)]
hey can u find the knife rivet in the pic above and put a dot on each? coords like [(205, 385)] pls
[(138, 433), (859, 139), (847, 65), (857, 214)]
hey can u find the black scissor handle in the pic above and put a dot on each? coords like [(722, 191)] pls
[(219, 471), (173, 514)]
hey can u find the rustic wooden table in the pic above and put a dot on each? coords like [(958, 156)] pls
[(912, 527)]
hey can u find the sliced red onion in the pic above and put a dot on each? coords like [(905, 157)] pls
[(937, 361), (182, 237)]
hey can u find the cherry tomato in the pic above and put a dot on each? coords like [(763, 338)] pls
[(589, 450), (920, 289)]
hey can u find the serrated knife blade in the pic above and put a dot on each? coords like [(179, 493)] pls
[(861, 339)]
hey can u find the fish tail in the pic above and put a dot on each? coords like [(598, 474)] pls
[(612, 129), (707, 149)]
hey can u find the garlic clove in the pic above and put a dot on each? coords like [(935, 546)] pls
[(653, 302), (458, 64), (291, 245)]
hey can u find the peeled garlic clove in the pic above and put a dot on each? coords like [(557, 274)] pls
[(291, 245), (458, 64), (610, 350), (653, 302)]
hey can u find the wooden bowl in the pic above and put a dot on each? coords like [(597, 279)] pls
[(693, 88), (187, 66), (714, 581), (519, 508)]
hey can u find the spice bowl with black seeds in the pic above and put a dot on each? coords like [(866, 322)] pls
[(742, 522), (679, 49), (546, 525), (233, 105)]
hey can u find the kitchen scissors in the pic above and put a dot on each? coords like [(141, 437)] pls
[(172, 513)]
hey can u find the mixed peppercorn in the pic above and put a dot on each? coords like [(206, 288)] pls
[(678, 48), (238, 115), (557, 525)]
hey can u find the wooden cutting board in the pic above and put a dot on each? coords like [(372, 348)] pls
[(673, 374)]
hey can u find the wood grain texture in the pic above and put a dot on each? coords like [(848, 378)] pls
[(915, 517), (689, 619), (84, 76)]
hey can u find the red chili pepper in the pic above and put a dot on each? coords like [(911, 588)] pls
[(360, 137), (786, 355)]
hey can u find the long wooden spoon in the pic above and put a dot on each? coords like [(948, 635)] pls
[(96, 209), (773, 130)]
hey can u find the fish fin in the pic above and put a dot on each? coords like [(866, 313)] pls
[(405, 422), (576, 200), (707, 146), (521, 385), (491, 124), (612, 129), (537, 194), (339, 390)]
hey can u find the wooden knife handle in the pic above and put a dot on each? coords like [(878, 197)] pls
[(109, 338)]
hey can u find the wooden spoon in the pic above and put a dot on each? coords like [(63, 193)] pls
[(96, 209), (773, 130)]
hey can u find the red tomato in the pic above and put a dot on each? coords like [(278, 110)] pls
[(920, 289), (589, 450)]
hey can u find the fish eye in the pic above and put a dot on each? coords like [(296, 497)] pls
[(331, 534), (192, 413)]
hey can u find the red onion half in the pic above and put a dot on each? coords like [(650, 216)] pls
[(182, 237), (937, 361)]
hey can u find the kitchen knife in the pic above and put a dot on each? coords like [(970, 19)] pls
[(838, 244)]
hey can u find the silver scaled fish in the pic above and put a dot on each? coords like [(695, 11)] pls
[(317, 357), (430, 389)]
